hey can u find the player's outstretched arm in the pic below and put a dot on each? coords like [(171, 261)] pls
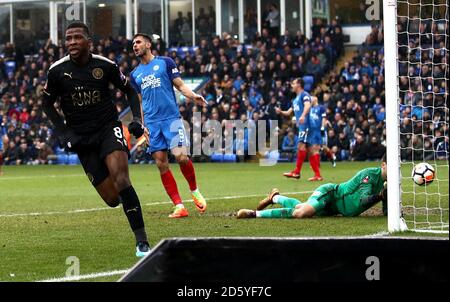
[(187, 92), (285, 113)]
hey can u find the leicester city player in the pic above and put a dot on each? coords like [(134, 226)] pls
[(91, 125), (349, 199), (300, 106), (154, 79)]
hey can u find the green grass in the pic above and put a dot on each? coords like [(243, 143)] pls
[(424, 204), (35, 247)]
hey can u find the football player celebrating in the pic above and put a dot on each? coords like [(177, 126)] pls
[(92, 128)]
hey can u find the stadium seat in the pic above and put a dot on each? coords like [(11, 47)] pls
[(62, 159), (216, 157), (73, 159), (60, 151), (309, 82), (227, 158), (181, 51), (284, 160)]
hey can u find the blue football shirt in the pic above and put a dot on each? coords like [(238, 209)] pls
[(298, 104), (316, 113), (154, 82)]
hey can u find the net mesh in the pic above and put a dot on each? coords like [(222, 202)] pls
[(422, 33)]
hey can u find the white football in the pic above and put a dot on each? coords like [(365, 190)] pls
[(423, 174)]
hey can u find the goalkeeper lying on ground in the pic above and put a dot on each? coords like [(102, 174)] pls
[(350, 198)]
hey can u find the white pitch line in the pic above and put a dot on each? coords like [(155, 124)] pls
[(147, 204), (88, 276), (379, 234), (56, 212), (32, 177)]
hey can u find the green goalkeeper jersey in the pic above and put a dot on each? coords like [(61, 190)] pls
[(349, 196)]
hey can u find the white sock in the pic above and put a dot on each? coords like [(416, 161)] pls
[(195, 191), (258, 214), (180, 205), (275, 198)]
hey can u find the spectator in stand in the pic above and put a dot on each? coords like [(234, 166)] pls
[(273, 20), (360, 150), (11, 154), (289, 145), (44, 154)]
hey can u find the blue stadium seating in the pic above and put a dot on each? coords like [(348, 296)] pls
[(181, 51), (60, 151), (67, 159), (226, 158), (217, 157), (62, 159), (229, 158), (309, 82), (73, 160)]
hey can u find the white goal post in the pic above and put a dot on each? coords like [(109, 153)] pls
[(395, 221), (410, 207)]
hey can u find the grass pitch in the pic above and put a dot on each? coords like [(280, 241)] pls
[(49, 213)]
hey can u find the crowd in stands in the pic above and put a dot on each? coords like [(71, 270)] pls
[(423, 85), (181, 29), (355, 97), (248, 81)]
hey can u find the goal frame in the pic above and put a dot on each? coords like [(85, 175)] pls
[(395, 220), (396, 223)]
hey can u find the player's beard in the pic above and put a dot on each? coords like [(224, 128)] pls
[(142, 53)]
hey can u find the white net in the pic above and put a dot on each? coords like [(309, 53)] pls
[(422, 33)]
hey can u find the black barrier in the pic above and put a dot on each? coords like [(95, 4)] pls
[(329, 260)]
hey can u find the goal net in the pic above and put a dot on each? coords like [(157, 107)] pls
[(416, 61)]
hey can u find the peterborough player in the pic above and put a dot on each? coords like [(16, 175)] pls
[(92, 128), (154, 79), (317, 120), (300, 106), (325, 124), (349, 199)]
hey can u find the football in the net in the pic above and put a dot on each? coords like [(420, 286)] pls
[(423, 174)]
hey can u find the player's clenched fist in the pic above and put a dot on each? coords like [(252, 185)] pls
[(136, 128)]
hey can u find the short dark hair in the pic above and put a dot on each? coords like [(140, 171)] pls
[(301, 82), (145, 36), (78, 24)]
